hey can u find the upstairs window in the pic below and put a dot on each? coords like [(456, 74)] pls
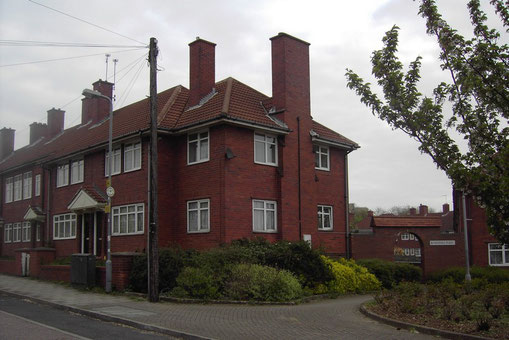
[(321, 157), (198, 216), (116, 162), (77, 171), (18, 183), (9, 191), (132, 157), (62, 175), (198, 147), (324, 217), (27, 185), (265, 149), (38, 185), (264, 216)]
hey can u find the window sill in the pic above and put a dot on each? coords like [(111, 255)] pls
[(269, 164), (129, 234), (323, 169), (64, 238), (199, 231), (500, 265), (265, 232), (326, 230), (132, 170), (198, 162)]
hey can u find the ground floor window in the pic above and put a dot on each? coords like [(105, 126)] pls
[(198, 216), (324, 217), (8, 233), (26, 232), (498, 254), (128, 219), (64, 226), (264, 216), (16, 232)]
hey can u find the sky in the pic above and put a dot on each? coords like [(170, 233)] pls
[(388, 170)]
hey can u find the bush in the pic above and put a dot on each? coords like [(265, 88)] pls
[(138, 276), (391, 274), (196, 283), (350, 277), (457, 274), (261, 283)]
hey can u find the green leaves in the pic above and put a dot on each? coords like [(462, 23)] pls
[(478, 92)]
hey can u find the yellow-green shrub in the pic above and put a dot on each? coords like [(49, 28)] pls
[(350, 277)]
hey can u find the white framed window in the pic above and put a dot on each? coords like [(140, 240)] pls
[(18, 186), (198, 216), (265, 149), (325, 217), (37, 185), (38, 232), (264, 216), (8, 233), (418, 252), (9, 190), (27, 185), (77, 171), (16, 232), (321, 157), (26, 231), (498, 254), (197, 147), (116, 162), (412, 237), (128, 219), (407, 252), (62, 175), (405, 236), (412, 251), (64, 226), (132, 157)]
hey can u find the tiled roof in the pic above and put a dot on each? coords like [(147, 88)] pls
[(407, 221), (330, 135), (231, 100)]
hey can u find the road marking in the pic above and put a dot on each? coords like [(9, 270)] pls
[(46, 326)]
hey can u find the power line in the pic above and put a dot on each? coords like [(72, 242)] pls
[(86, 22), (129, 87), (32, 43), (65, 58)]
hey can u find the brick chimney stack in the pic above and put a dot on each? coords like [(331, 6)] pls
[(413, 211), (423, 210), (37, 131), (445, 208), (55, 122), (97, 109), (202, 69), (6, 142), (290, 74)]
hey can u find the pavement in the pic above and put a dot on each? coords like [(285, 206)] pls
[(322, 319)]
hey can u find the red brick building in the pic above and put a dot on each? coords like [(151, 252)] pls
[(233, 163)]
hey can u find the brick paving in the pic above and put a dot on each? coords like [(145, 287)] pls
[(325, 319)]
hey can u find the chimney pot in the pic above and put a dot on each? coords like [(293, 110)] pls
[(202, 73)]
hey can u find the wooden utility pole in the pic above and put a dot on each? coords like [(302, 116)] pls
[(153, 251)]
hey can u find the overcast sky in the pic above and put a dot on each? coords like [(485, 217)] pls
[(387, 170)]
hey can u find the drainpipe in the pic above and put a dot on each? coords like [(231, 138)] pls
[(298, 171), (48, 219), (347, 209), (468, 278)]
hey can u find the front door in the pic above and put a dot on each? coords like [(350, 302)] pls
[(86, 233)]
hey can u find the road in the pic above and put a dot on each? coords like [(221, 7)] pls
[(23, 319)]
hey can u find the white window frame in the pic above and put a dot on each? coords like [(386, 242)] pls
[(16, 232), (405, 237), (133, 162), (199, 211), (8, 233), (117, 162), (265, 210), (77, 171), (200, 140), (122, 212), (37, 185), (26, 232), (27, 185), (412, 237), (321, 212), (407, 252), (18, 187), (62, 175), (320, 150), (504, 249), (418, 252), (38, 232), (59, 226), (9, 189), (266, 145)]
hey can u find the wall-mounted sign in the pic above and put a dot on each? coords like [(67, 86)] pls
[(442, 242)]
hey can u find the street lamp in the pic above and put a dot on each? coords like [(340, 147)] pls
[(109, 190)]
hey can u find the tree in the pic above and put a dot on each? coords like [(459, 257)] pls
[(478, 92)]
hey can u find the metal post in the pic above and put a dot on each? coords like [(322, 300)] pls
[(468, 278)]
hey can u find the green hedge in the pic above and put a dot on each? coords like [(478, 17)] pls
[(391, 273), (457, 274), (349, 277)]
